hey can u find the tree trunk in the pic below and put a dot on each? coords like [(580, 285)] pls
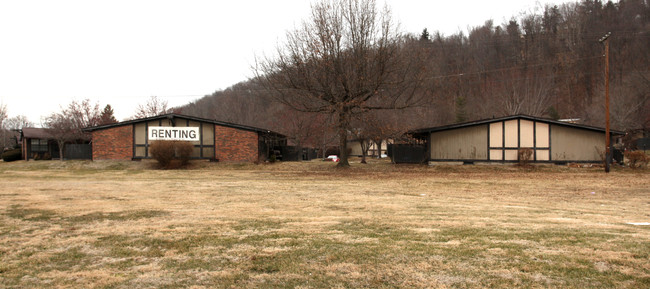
[(61, 144), (343, 141), (365, 147), (299, 151), (343, 148)]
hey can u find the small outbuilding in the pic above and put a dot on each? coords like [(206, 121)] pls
[(214, 140), (499, 140), (38, 143)]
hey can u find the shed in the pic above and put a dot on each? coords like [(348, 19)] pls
[(215, 140), (38, 143), (499, 140)]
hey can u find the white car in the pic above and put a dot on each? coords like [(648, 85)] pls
[(334, 158)]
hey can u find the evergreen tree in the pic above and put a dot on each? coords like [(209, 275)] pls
[(107, 116), (461, 112), (424, 37)]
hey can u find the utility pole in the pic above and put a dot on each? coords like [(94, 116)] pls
[(608, 156)]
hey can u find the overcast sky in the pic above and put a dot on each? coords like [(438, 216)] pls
[(122, 52)]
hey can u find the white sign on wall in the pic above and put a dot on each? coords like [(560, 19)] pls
[(174, 133)]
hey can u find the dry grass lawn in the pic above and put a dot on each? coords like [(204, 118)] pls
[(309, 225)]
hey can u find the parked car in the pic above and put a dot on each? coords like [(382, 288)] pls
[(333, 158)]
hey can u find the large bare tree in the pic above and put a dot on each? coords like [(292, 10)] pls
[(67, 126), (349, 58), (154, 106)]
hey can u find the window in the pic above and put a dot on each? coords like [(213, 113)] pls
[(39, 145)]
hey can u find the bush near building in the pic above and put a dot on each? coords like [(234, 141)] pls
[(171, 154), (637, 159), (12, 155)]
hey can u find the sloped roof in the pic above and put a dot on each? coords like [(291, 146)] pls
[(43, 133), (174, 115), (505, 118), (36, 132)]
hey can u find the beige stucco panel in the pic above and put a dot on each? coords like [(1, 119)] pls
[(510, 155), (208, 134), (541, 135), (512, 134), (496, 155), (541, 155), (496, 135), (527, 133), (571, 144), (468, 143), (140, 133)]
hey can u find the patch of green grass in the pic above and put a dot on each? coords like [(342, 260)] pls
[(117, 216), (360, 228), (38, 215), (33, 215), (121, 246), (258, 225), (68, 259), (207, 264)]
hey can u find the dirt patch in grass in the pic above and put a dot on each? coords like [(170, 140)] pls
[(122, 224)]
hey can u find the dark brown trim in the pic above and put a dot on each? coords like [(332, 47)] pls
[(518, 133), (133, 150), (550, 143), (535, 140), (488, 141), (503, 140)]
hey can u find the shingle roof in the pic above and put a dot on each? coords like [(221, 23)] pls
[(505, 118), (35, 132), (174, 115)]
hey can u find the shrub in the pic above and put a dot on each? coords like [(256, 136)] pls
[(637, 159), (165, 152), (183, 151), (524, 155), (12, 155)]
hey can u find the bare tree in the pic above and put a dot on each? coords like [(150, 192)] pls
[(59, 126), (304, 129), (3, 114), (3, 129), (378, 127), (529, 93), (11, 127), (154, 106), (17, 122), (83, 114), (347, 59), (67, 126)]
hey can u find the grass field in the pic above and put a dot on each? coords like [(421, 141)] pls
[(310, 225)]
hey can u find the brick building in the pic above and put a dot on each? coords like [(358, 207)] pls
[(215, 140)]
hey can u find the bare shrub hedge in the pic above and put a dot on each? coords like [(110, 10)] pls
[(167, 152), (637, 159), (524, 155)]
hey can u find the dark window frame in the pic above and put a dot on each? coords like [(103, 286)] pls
[(39, 145)]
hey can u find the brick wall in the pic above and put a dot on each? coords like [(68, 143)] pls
[(235, 145), (113, 144)]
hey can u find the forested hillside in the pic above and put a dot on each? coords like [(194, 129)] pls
[(548, 64)]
